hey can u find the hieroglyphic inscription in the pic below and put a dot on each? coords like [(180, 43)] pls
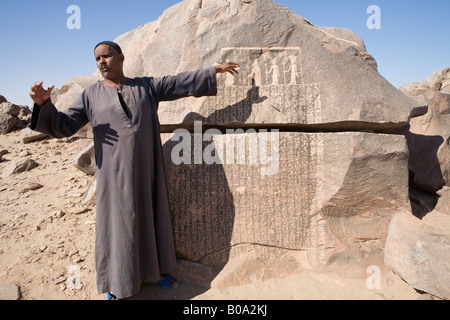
[(270, 83), (218, 206)]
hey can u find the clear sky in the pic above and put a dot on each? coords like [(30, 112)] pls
[(36, 43)]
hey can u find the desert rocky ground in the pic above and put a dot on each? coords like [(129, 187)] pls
[(47, 237)]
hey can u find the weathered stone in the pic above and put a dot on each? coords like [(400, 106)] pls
[(66, 95), (417, 250), (34, 186), (2, 153), (9, 292), (29, 135), (292, 73), (90, 194), (443, 156), (339, 39), (443, 205), (85, 160), (266, 93), (319, 197), (19, 165), (10, 108), (428, 135), (7, 122)]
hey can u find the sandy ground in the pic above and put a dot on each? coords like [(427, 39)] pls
[(47, 240)]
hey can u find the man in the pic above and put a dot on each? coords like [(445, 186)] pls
[(134, 240)]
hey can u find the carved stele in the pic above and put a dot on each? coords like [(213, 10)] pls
[(315, 197)]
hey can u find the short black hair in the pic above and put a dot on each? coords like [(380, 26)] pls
[(111, 44)]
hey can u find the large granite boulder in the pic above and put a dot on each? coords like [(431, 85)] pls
[(309, 75), (313, 192)]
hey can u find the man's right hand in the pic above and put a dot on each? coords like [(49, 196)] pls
[(39, 95)]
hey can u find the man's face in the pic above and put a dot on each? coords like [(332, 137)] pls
[(109, 62)]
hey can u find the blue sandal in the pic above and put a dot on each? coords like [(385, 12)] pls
[(110, 296), (168, 282)]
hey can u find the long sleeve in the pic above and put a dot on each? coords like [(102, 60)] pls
[(198, 83), (60, 124)]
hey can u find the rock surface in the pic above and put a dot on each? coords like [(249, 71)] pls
[(7, 122), (29, 135), (417, 250), (85, 160), (9, 292), (12, 116), (293, 73), (323, 197), (429, 135), (308, 75), (19, 165), (44, 232)]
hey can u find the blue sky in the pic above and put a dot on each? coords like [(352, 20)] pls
[(36, 44)]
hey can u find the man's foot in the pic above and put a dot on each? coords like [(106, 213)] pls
[(168, 282), (110, 296)]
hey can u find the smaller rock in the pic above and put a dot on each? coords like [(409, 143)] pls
[(9, 292), (32, 186), (2, 153), (7, 122), (73, 252), (78, 211), (85, 160), (443, 205), (19, 165), (59, 214), (24, 111), (417, 250), (90, 195), (24, 153), (20, 215), (29, 135), (59, 280), (9, 108)]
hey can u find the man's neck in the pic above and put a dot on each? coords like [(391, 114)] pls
[(116, 82)]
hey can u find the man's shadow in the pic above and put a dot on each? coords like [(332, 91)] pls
[(202, 210), (104, 136)]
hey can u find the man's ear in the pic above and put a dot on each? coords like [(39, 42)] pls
[(122, 57)]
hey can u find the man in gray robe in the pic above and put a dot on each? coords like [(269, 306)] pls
[(134, 236)]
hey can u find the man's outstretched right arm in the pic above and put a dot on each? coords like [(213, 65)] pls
[(47, 119)]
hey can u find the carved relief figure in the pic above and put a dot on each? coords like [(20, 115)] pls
[(275, 72), (293, 69)]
